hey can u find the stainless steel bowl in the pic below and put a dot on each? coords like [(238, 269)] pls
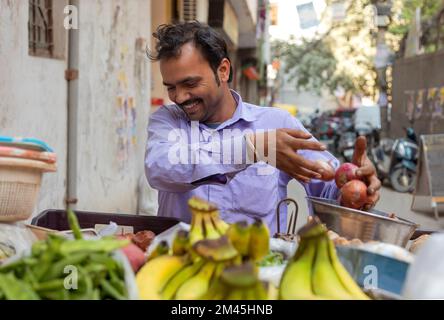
[(366, 226)]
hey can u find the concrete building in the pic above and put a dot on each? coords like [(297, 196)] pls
[(84, 91)]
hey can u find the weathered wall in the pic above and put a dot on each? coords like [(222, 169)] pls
[(114, 95), (32, 96)]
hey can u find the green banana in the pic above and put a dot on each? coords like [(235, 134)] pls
[(154, 275), (259, 240), (296, 279), (179, 278), (239, 235), (180, 243), (325, 281), (347, 281), (197, 286)]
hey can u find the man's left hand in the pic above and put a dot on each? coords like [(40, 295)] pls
[(367, 172)]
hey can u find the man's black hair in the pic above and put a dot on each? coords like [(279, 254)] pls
[(171, 38)]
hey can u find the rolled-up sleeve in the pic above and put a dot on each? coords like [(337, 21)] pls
[(173, 163)]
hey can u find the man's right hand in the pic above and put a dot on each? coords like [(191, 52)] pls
[(287, 143)]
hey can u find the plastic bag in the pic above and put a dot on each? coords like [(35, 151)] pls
[(425, 277), (15, 239)]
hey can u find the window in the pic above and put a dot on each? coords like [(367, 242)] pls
[(307, 15), (40, 28), (189, 10)]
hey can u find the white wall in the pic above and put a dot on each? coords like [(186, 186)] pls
[(111, 70), (33, 94), (33, 100)]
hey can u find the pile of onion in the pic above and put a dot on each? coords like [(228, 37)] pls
[(353, 190)]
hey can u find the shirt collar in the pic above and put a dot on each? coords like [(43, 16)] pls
[(242, 112)]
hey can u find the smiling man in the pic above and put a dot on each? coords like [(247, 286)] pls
[(232, 153)]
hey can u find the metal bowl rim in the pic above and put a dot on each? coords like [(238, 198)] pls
[(364, 213)]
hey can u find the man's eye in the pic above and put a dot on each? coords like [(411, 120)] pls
[(170, 88), (191, 84)]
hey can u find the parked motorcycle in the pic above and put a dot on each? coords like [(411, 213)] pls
[(346, 145), (396, 161)]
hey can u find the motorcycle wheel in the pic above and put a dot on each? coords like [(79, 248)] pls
[(403, 180)]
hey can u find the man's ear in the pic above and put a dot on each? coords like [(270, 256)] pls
[(224, 70)]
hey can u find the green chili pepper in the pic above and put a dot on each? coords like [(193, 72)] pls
[(51, 285), (104, 259), (102, 245), (29, 276), (117, 282), (57, 269), (54, 295), (15, 289), (111, 291), (74, 224), (96, 294)]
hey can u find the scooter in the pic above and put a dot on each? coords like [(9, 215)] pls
[(397, 160), (346, 145)]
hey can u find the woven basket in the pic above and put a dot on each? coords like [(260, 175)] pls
[(20, 181)]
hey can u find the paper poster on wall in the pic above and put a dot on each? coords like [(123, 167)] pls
[(126, 114)]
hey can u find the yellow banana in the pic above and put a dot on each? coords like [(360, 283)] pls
[(259, 240), (210, 230), (236, 294), (180, 243), (239, 235), (347, 281), (162, 248), (179, 278), (220, 224), (197, 286), (216, 291), (196, 232), (154, 275), (324, 279), (261, 292), (250, 294), (296, 279)]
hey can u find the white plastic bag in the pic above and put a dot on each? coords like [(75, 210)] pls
[(425, 277)]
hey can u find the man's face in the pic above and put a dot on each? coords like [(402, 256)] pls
[(191, 84)]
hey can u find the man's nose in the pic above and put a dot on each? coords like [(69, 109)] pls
[(182, 96)]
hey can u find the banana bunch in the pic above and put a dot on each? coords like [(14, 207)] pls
[(187, 276), (205, 221), (251, 241), (238, 282), (315, 271)]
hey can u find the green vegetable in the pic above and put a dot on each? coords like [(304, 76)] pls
[(15, 289), (273, 258), (102, 245), (74, 225), (41, 275), (111, 291)]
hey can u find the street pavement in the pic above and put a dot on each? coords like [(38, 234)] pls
[(391, 201)]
